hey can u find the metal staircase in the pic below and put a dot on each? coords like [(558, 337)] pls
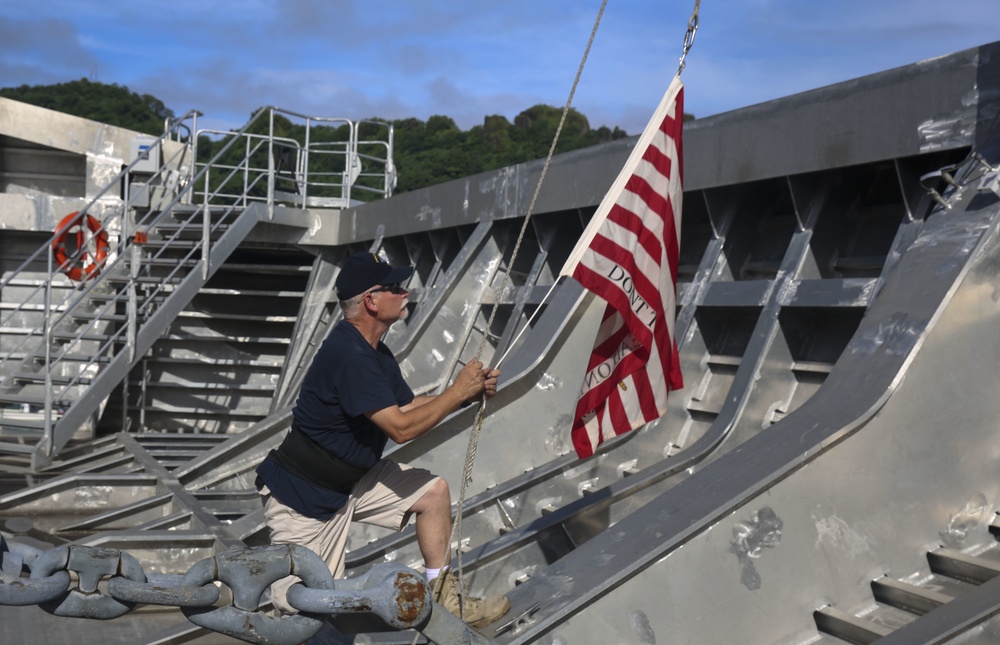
[(137, 271), (216, 366)]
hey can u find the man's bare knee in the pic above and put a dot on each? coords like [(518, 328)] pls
[(435, 497)]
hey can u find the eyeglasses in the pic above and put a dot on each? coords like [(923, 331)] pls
[(394, 289)]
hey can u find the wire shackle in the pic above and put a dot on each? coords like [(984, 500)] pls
[(689, 36)]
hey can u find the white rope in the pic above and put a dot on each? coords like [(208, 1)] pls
[(470, 456)]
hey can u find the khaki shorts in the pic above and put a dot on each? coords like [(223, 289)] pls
[(382, 497)]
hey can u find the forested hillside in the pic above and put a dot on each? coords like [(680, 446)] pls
[(111, 104), (426, 152)]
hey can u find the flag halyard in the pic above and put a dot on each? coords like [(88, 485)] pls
[(628, 256)]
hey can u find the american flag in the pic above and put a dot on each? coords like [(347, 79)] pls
[(628, 256)]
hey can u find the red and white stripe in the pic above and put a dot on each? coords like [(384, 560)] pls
[(628, 256)]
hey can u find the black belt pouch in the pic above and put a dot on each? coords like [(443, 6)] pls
[(300, 456)]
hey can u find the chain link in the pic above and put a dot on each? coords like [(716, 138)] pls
[(249, 573), (397, 595), (172, 591), (91, 564), (18, 591)]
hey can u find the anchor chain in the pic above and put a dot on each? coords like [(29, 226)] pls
[(103, 583)]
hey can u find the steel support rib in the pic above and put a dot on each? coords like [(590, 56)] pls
[(858, 386), (950, 620)]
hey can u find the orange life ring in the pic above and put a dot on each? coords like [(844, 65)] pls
[(82, 266)]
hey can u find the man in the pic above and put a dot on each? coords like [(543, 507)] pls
[(329, 469)]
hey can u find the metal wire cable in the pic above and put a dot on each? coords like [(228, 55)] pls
[(470, 456)]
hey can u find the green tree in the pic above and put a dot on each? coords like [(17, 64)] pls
[(425, 153), (111, 104)]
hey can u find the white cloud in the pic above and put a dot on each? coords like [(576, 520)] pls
[(399, 58)]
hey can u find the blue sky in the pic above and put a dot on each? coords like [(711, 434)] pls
[(468, 59)]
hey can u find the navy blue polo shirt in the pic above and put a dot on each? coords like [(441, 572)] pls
[(348, 378)]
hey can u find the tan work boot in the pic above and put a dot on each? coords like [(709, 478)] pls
[(478, 611)]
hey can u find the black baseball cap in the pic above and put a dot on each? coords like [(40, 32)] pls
[(362, 271)]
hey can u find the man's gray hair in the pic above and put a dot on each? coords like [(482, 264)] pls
[(350, 306)]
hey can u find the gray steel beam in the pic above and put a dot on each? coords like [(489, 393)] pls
[(857, 387)]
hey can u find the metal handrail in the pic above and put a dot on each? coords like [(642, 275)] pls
[(207, 188), (125, 336), (307, 174), (46, 247), (389, 170)]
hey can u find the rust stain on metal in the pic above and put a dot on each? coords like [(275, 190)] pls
[(410, 594)]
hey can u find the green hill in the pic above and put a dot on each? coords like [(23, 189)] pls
[(426, 152)]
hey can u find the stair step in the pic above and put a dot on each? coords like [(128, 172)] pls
[(246, 499), (906, 596), (216, 338), (122, 298), (240, 293), (214, 412), (119, 278), (193, 214), (848, 627), (190, 230), (18, 398), (241, 268), (99, 458), (162, 262), (30, 307), (183, 208), (168, 446), (19, 427), (172, 521), (212, 388), (31, 377), (83, 317), (181, 244), (8, 447), (959, 565), (18, 331), (269, 269), (20, 282), (67, 336), (160, 280), (71, 358), (215, 363), (175, 455), (223, 315), (118, 514)]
